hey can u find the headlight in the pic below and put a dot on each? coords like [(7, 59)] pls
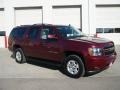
[(95, 51)]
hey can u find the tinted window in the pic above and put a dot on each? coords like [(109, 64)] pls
[(46, 32), (20, 32), (69, 32), (17, 32), (99, 30), (108, 30), (33, 33), (117, 30), (12, 34)]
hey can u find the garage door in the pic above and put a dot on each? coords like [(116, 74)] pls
[(67, 15), (2, 20), (108, 22), (28, 15), (108, 16)]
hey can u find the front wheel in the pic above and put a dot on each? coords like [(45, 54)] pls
[(19, 56), (73, 66)]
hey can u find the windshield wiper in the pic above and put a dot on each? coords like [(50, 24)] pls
[(83, 36)]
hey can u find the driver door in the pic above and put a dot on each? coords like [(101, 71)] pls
[(51, 48)]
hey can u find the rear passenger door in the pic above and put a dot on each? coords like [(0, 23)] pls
[(31, 41)]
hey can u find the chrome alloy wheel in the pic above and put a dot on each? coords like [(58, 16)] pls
[(73, 67), (18, 56)]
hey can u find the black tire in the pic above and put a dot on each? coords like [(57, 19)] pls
[(19, 56), (77, 69)]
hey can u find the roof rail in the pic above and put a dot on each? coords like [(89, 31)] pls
[(42, 24)]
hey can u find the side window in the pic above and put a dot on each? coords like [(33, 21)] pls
[(20, 32), (12, 34), (47, 33), (17, 32), (32, 34), (44, 33)]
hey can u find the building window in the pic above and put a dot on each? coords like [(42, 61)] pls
[(99, 30), (107, 30), (2, 33), (117, 30)]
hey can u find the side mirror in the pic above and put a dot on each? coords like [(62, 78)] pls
[(52, 37)]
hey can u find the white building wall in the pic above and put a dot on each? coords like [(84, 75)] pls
[(9, 19), (2, 19), (67, 2), (85, 17), (91, 17), (107, 2), (1, 3), (112, 36), (107, 16), (88, 12), (47, 10)]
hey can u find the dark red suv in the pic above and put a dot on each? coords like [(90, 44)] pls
[(76, 52)]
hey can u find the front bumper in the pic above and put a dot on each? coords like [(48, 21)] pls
[(95, 64)]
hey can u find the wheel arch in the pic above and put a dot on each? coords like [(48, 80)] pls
[(67, 53), (16, 46)]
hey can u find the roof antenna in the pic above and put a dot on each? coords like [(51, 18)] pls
[(69, 25)]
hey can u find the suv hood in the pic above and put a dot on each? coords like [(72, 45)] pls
[(91, 39)]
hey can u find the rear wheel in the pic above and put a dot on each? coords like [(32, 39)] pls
[(19, 56), (73, 66)]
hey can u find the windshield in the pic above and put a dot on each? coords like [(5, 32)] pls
[(69, 32)]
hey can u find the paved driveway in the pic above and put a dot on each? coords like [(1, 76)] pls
[(28, 76)]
